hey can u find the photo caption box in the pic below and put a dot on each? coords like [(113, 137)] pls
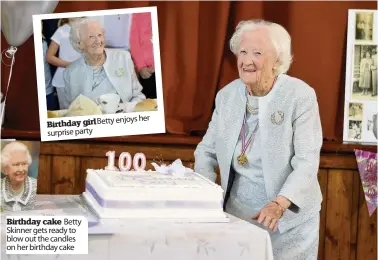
[(103, 126), (46, 235)]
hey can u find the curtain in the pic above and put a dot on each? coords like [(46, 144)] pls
[(197, 62)]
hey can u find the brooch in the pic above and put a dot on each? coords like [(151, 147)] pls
[(277, 118), (120, 72)]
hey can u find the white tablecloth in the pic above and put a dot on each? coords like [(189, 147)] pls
[(144, 240)]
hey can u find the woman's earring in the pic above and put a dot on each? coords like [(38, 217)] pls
[(80, 45)]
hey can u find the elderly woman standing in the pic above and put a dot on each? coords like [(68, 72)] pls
[(265, 135), (18, 190), (100, 71)]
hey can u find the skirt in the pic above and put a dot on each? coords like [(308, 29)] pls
[(298, 243)]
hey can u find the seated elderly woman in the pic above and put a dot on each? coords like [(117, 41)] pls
[(265, 135), (100, 71), (18, 190)]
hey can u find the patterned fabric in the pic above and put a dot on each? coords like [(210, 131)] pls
[(291, 135), (367, 167), (27, 199), (298, 243)]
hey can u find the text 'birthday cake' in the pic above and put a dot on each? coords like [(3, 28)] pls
[(171, 192)]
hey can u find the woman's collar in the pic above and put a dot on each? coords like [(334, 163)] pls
[(90, 66), (281, 78), (8, 196)]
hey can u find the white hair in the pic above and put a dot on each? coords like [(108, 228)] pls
[(76, 31), (279, 37), (9, 149)]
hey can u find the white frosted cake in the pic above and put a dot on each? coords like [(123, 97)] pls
[(153, 195)]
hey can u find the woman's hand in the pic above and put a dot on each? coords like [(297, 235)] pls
[(272, 212), (269, 216), (145, 73)]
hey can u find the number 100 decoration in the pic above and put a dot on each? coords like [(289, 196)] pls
[(125, 161)]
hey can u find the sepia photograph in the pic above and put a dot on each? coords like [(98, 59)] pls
[(356, 111), (364, 86), (19, 174), (355, 129), (100, 66), (364, 26)]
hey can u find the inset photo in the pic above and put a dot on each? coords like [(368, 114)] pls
[(99, 68), (19, 174)]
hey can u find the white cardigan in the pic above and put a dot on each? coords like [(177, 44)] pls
[(291, 148)]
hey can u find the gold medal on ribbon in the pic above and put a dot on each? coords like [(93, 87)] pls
[(242, 159)]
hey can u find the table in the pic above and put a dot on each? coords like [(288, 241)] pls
[(144, 240)]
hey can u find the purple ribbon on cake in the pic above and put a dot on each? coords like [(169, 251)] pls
[(176, 169)]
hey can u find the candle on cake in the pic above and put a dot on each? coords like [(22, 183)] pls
[(121, 161), (139, 163), (125, 161), (111, 157)]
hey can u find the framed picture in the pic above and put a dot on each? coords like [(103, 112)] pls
[(361, 100)]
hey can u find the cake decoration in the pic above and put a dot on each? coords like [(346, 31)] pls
[(176, 169), (125, 161), (110, 166), (139, 157), (121, 161)]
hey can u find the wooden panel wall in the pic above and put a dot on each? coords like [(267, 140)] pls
[(347, 232)]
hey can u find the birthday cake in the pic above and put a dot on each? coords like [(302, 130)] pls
[(161, 194)]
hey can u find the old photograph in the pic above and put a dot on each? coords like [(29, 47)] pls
[(356, 111), (364, 84), (364, 26), (355, 129)]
